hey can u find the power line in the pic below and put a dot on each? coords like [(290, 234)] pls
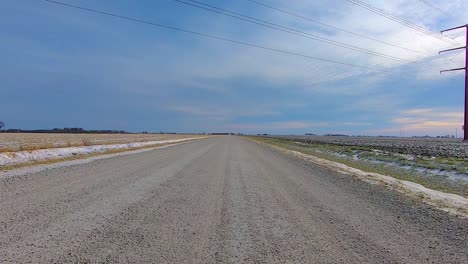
[(431, 5), (334, 27), (395, 18), (317, 70), (320, 76), (209, 35), (222, 11), (399, 20), (403, 71), (333, 78), (425, 65), (406, 73), (318, 22), (422, 64)]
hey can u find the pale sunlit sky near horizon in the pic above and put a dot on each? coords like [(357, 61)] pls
[(64, 67)]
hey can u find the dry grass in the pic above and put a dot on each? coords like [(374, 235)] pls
[(51, 161), (25, 141)]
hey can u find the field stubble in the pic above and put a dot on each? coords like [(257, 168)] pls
[(439, 164), (431, 147), (10, 142)]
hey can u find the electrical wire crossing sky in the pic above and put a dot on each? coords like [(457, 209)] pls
[(250, 66)]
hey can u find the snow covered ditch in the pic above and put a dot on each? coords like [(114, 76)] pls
[(18, 157), (410, 165)]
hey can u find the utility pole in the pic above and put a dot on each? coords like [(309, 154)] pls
[(465, 121)]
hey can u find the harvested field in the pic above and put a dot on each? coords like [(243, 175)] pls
[(438, 164), (32, 141), (433, 147)]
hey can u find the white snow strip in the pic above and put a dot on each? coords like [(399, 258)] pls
[(19, 157), (451, 203), (85, 160)]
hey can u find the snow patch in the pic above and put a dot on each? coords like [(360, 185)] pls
[(38, 168), (18, 157)]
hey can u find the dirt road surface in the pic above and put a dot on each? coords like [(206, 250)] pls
[(217, 200)]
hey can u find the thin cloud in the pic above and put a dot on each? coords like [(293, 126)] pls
[(425, 121), (277, 125)]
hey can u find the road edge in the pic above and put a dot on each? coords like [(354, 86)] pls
[(35, 168), (448, 202)]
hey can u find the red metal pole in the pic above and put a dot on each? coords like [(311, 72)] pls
[(465, 131)]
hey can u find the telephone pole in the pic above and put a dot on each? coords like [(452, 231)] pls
[(465, 121)]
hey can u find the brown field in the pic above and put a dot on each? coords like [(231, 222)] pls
[(31, 141)]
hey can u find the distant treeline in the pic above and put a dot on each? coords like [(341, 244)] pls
[(73, 130), (79, 130)]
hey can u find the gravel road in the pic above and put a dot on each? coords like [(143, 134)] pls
[(216, 200)]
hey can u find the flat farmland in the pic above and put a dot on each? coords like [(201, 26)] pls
[(436, 163), (222, 199), (436, 147), (32, 141)]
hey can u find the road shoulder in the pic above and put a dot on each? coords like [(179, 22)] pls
[(450, 203)]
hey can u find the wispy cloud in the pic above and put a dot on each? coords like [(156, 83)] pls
[(276, 126), (177, 78), (425, 121), (357, 124), (220, 113)]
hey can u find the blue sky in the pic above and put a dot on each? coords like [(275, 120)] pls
[(63, 67)]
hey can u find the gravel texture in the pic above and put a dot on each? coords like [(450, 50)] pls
[(216, 200)]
